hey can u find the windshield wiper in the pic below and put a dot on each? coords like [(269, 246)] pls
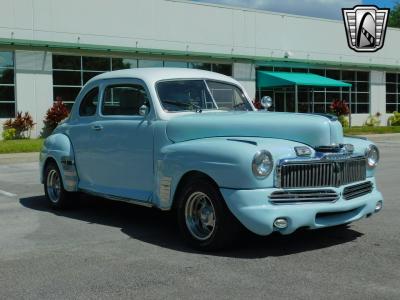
[(186, 105)]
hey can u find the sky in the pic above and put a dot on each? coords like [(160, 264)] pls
[(330, 9)]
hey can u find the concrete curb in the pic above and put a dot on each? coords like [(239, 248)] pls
[(383, 135), (15, 158)]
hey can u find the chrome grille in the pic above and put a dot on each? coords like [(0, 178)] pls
[(357, 190), (321, 173), (303, 196)]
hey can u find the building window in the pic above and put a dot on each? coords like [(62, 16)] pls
[(359, 91), (392, 92), (318, 99), (175, 64), (225, 69), (7, 84), (70, 72), (124, 63), (150, 63)]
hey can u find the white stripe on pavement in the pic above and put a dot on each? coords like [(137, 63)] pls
[(4, 193)]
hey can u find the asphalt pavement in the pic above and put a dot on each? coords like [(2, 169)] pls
[(105, 250)]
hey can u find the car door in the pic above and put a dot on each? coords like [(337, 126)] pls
[(81, 133), (124, 141)]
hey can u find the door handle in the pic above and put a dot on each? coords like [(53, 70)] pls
[(97, 127)]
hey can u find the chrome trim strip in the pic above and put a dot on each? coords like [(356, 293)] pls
[(165, 189), (303, 196), (357, 190), (321, 158), (324, 171)]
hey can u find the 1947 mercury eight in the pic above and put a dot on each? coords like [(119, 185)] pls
[(191, 141)]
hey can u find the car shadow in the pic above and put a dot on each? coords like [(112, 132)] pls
[(159, 228)]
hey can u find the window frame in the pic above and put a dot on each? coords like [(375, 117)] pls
[(207, 87), (117, 82), (396, 94), (83, 98), (226, 83), (11, 85)]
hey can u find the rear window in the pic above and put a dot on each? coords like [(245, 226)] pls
[(89, 103)]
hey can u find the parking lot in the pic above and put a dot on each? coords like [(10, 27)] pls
[(103, 249)]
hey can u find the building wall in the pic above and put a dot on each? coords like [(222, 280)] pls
[(33, 84), (378, 95), (187, 26)]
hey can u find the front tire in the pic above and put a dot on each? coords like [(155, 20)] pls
[(54, 190), (203, 217)]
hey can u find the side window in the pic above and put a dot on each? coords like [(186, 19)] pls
[(124, 100), (89, 103)]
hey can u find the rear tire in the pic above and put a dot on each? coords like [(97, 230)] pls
[(203, 217), (54, 190)]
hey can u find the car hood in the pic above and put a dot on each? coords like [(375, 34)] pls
[(312, 130)]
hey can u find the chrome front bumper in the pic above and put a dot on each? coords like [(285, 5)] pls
[(255, 211)]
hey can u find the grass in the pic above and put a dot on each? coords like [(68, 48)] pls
[(18, 146), (361, 130)]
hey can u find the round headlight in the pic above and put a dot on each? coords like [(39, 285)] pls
[(262, 164), (372, 154)]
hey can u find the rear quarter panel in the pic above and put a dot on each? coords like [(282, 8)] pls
[(58, 147)]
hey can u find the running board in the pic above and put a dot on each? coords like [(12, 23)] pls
[(116, 198)]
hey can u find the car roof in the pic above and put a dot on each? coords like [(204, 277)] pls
[(152, 75)]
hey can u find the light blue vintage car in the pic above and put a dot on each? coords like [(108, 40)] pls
[(192, 142)]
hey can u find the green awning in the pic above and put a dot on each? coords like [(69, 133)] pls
[(279, 79)]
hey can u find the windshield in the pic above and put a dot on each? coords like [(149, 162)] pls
[(184, 95)]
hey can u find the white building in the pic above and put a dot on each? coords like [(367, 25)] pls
[(50, 48)]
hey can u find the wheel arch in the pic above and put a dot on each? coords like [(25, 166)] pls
[(48, 160), (185, 178), (58, 148)]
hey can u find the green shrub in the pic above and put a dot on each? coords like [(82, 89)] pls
[(373, 121), (23, 125), (9, 134), (344, 121), (395, 119)]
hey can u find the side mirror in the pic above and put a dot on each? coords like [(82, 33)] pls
[(144, 110), (266, 102)]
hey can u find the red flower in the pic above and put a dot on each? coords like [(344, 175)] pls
[(339, 108), (56, 114)]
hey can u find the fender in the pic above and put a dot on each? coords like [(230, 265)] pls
[(226, 160), (59, 148)]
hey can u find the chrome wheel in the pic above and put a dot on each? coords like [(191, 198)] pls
[(53, 186), (200, 216)]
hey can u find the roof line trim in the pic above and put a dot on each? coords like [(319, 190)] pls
[(258, 60)]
